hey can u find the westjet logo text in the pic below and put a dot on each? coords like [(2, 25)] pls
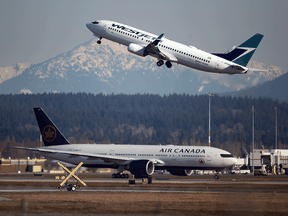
[(139, 34)]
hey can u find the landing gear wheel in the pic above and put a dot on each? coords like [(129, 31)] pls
[(168, 64), (119, 175), (216, 176), (160, 63), (71, 188), (98, 41)]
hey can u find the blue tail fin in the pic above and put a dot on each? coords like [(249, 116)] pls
[(242, 54), (50, 133)]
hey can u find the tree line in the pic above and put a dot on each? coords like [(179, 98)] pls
[(178, 119)]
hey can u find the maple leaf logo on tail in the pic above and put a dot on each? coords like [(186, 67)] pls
[(49, 133)]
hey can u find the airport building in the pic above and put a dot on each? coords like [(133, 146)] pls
[(272, 160), (264, 161), (21, 165)]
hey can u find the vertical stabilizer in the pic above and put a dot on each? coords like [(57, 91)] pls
[(50, 133), (242, 54)]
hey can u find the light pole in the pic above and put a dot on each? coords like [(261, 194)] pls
[(276, 127), (253, 140), (209, 135), (40, 144)]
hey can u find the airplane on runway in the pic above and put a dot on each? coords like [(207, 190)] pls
[(141, 43), (140, 160)]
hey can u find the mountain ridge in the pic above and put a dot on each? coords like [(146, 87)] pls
[(110, 68), (272, 89)]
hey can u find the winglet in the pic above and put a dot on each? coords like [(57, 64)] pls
[(157, 40)]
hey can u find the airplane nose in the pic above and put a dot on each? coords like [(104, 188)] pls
[(89, 25)]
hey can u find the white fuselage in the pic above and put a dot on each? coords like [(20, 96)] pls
[(179, 53), (164, 156)]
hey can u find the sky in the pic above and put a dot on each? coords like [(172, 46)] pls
[(33, 31)]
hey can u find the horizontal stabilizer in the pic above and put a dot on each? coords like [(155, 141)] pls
[(256, 69)]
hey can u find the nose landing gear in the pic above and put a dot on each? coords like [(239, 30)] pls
[(99, 41), (216, 176)]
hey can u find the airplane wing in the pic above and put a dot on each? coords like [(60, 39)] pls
[(153, 49), (168, 56), (153, 46), (107, 158)]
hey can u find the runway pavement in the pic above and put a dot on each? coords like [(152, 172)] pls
[(161, 183), (137, 190), (157, 178)]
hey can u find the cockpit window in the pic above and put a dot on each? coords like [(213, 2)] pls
[(226, 155), (95, 22)]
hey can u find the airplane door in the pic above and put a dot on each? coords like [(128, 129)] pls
[(104, 27), (209, 156), (176, 160), (180, 160), (217, 66), (111, 152)]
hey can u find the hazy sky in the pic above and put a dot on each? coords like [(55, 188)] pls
[(34, 31)]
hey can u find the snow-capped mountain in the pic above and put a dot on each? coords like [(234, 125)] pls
[(110, 68), (9, 72)]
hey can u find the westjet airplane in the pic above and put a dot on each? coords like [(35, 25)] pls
[(142, 43), (140, 160)]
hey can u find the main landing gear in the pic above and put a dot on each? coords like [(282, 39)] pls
[(120, 175), (161, 62)]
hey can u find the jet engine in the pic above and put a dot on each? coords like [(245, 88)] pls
[(141, 168), (181, 172), (137, 50)]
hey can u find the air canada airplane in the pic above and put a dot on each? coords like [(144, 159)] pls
[(140, 160), (142, 43)]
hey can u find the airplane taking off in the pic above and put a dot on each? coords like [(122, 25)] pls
[(140, 160), (142, 43)]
